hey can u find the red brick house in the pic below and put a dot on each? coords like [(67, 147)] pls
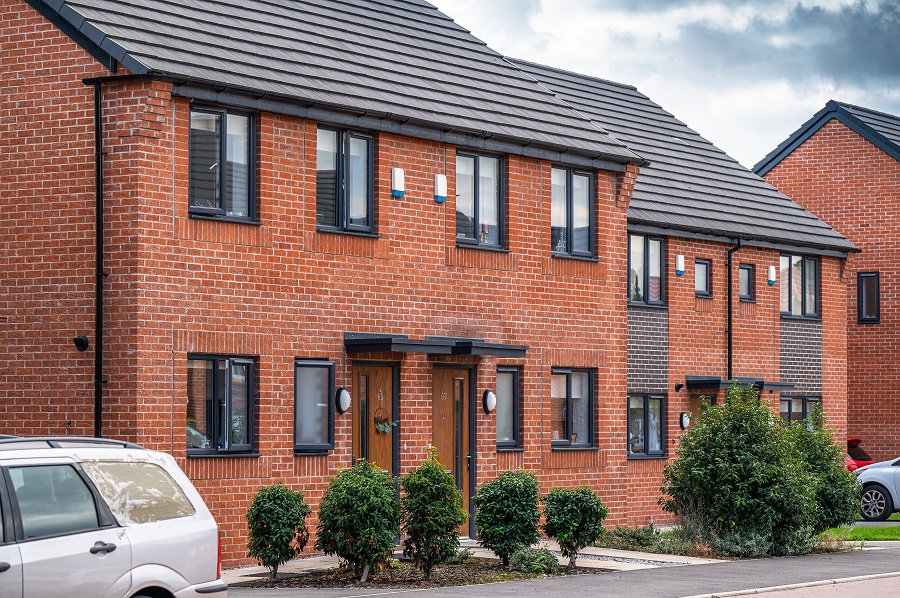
[(843, 165), (273, 241)]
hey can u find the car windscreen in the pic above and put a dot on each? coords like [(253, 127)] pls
[(138, 492)]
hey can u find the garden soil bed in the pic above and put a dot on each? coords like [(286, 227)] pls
[(403, 576)]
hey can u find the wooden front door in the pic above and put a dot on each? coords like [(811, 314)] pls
[(374, 429), (451, 429)]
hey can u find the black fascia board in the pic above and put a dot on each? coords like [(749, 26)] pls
[(761, 241), (254, 99), (831, 110)]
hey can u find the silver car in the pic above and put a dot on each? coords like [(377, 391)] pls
[(89, 518), (880, 489)]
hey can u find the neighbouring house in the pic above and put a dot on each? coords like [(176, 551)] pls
[(843, 165), (271, 240)]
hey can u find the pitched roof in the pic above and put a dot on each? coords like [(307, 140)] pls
[(396, 65), (880, 129), (690, 186)]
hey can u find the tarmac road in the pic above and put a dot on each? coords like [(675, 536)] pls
[(720, 579)]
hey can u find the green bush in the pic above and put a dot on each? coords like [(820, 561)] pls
[(574, 518), (739, 484), (529, 560), (626, 538), (276, 520), (837, 490), (507, 513), (358, 517), (431, 511)]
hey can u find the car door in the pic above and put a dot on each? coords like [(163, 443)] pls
[(10, 561), (65, 536)]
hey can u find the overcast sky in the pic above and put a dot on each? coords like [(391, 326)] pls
[(744, 74)]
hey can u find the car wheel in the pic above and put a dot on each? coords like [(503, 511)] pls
[(876, 504)]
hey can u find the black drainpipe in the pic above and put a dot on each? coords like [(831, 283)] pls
[(731, 310), (98, 284)]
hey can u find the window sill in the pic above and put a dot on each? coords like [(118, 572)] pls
[(510, 449), (747, 300), (481, 247), (573, 448), (649, 305), (699, 296), (579, 258), (352, 233), (221, 455), (312, 453), (232, 219), (785, 316), (638, 457), (865, 322)]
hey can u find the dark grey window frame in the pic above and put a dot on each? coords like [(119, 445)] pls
[(501, 202), (341, 198), (237, 449), (592, 408), (219, 213), (316, 448), (806, 310), (809, 402), (570, 211), (750, 269), (515, 443), (645, 454), (708, 283), (861, 296), (646, 267)]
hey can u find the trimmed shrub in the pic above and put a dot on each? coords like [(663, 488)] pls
[(574, 518), (530, 560), (431, 512), (276, 520), (507, 513), (837, 490), (739, 484), (358, 517)]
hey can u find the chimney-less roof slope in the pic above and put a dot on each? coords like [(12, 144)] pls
[(397, 61), (689, 185)]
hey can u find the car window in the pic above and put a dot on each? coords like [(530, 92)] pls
[(138, 492), (53, 499)]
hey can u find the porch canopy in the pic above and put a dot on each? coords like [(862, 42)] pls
[(363, 342), (715, 382)]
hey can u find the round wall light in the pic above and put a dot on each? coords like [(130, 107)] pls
[(489, 401), (684, 420), (342, 400)]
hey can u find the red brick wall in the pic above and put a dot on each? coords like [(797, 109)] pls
[(853, 186)]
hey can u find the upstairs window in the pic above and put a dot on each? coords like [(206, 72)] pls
[(868, 298), (572, 408), (571, 213), (220, 406), (345, 181), (645, 269), (799, 286), (221, 167), (479, 216), (702, 278), (747, 282)]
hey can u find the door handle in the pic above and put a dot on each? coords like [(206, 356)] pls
[(468, 462), (4, 567), (102, 547)]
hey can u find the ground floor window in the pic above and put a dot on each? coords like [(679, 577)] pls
[(645, 426), (507, 407), (220, 404), (797, 408), (313, 406), (572, 408)]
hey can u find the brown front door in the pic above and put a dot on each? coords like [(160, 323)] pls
[(451, 428), (374, 429)]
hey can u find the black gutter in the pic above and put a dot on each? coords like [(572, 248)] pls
[(731, 308), (98, 284)]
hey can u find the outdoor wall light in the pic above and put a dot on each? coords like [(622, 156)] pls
[(489, 401), (678, 386), (684, 420), (342, 400), (679, 265), (440, 188), (81, 343), (397, 182), (772, 277)]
